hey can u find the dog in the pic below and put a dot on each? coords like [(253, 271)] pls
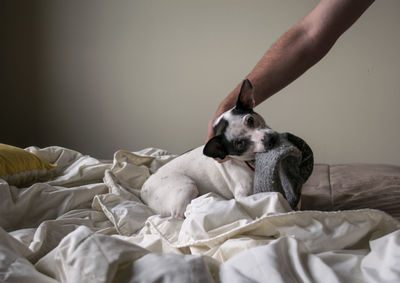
[(239, 134)]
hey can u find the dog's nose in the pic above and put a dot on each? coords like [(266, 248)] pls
[(270, 140)]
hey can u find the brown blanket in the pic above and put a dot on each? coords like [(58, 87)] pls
[(353, 186)]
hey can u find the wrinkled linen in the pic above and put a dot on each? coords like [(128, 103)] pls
[(87, 224)]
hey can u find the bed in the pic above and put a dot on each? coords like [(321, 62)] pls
[(80, 219)]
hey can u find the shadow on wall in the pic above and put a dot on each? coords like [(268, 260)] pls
[(20, 99)]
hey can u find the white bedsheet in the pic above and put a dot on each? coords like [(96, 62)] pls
[(89, 225)]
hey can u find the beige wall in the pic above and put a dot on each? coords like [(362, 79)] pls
[(105, 75)]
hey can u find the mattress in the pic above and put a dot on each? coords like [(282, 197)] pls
[(353, 186)]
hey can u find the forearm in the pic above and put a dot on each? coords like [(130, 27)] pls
[(285, 61), (293, 54), (300, 48)]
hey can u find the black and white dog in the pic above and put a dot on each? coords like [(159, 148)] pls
[(239, 134)]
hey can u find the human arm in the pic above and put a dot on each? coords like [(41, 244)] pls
[(298, 50)]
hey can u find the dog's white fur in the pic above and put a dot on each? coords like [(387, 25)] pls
[(171, 189)]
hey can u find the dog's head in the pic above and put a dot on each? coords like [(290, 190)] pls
[(240, 132)]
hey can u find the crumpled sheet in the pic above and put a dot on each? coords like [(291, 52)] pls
[(87, 224)]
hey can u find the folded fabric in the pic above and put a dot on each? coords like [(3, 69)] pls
[(19, 167), (284, 168)]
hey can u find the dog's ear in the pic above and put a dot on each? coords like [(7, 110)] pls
[(215, 148), (245, 99)]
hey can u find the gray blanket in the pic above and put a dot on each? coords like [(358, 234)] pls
[(284, 168)]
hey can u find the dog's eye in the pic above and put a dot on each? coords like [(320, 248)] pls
[(250, 121), (240, 144)]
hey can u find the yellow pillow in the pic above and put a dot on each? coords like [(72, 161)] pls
[(19, 166)]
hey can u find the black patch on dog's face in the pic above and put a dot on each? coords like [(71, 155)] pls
[(220, 127), (239, 146), (220, 147)]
